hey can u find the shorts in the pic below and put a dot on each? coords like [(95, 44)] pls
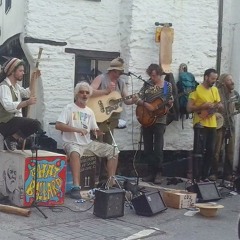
[(97, 148)]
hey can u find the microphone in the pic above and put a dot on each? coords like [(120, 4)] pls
[(163, 24), (126, 74)]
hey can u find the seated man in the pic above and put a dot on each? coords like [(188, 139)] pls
[(76, 121), (13, 126)]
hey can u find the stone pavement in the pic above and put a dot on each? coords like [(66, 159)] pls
[(75, 220)]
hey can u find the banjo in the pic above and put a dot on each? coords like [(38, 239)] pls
[(220, 118)]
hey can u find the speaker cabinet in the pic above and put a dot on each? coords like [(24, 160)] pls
[(206, 191), (149, 204), (109, 203)]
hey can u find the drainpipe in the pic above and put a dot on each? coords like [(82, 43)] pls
[(219, 39)]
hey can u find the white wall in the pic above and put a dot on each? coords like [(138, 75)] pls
[(11, 22)]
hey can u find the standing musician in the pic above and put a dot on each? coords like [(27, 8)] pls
[(226, 131), (105, 84), (13, 126), (155, 89), (204, 102)]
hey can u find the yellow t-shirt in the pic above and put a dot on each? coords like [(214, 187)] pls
[(203, 95)]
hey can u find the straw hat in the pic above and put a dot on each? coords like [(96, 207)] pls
[(116, 64), (208, 209)]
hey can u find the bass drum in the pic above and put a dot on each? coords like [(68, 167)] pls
[(220, 120)]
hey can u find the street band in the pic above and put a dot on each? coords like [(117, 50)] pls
[(96, 112)]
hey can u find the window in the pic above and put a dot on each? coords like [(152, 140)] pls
[(89, 64), (8, 4), (87, 69)]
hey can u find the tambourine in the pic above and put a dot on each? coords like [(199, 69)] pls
[(220, 120)]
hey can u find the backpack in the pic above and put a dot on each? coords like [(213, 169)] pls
[(186, 84)]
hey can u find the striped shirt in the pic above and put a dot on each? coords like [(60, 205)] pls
[(150, 92)]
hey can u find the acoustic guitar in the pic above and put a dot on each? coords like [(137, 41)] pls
[(205, 114), (104, 106), (147, 118)]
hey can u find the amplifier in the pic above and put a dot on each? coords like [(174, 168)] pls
[(109, 203)]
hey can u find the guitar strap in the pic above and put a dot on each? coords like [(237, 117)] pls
[(165, 89)]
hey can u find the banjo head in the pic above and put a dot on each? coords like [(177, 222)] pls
[(220, 120)]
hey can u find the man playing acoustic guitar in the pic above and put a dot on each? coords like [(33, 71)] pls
[(156, 99), (204, 102), (106, 84)]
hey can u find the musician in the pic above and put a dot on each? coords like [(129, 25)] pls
[(226, 133), (103, 85), (75, 122), (204, 102), (109, 82), (13, 126), (155, 88)]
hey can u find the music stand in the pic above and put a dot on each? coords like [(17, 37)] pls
[(34, 148)]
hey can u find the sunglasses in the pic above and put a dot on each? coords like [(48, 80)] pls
[(82, 92)]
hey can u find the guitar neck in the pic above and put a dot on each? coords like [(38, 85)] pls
[(123, 99)]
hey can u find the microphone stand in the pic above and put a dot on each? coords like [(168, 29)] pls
[(145, 85), (114, 143), (139, 77), (34, 149)]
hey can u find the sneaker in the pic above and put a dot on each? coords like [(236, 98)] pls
[(21, 143), (158, 178), (229, 178), (212, 177), (10, 143), (75, 193)]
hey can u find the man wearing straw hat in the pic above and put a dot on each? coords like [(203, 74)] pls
[(13, 126), (105, 84)]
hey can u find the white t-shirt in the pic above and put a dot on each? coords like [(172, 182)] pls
[(77, 117)]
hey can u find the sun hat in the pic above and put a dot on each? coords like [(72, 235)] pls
[(208, 209), (116, 64)]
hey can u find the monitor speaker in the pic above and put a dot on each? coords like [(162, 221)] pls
[(149, 204), (206, 191), (109, 203)]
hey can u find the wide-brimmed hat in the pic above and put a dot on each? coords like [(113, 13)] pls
[(116, 64), (208, 209)]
